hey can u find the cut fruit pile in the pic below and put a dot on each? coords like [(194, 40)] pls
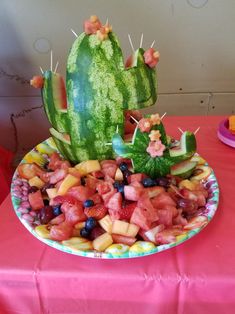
[(104, 206)]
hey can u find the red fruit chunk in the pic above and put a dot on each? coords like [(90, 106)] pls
[(167, 236), (61, 232), (117, 238), (165, 217), (58, 175), (145, 203), (58, 220), (75, 214), (37, 81), (109, 169), (136, 177), (81, 193), (60, 199), (115, 202), (119, 160), (132, 193), (154, 191), (126, 211), (92, 182), (98, 211), (96, 232), (55, 161), (141, 218), (36, 200), (96, 198), (161, 200), (104, 187), (97, 174), (106, 197), (179, 220)]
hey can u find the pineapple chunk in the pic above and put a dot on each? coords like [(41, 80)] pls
[(187, 184), (78, 243), (118, 175), (106, 223), (44, 149), (36, 181), (43, 232), (36, 158), (68, 182), (80, 225), (102, 242), (132, 230), (51, 192), (120, 227), (88, 166)]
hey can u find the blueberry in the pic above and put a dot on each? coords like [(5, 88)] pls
[(148, 182), (123, 166), (88, 203), (90, 224), (119, 185), (56, 210), (84, 233)]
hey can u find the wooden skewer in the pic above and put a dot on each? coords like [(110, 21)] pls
[(132, 47), (152, 44), (180, 130), (56, 66), (136, 121), (141, 40), (41, 70), (195, 132), (75, 34), (163, 116), (51, 60)]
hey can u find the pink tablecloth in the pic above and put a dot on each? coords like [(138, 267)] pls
[(196, 277)]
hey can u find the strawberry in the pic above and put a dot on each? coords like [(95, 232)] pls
[(98, 211)]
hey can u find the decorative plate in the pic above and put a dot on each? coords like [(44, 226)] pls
[(140, 248), (225, 135)]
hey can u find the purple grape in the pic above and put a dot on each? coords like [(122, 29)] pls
[(188, 206), (46, 214)]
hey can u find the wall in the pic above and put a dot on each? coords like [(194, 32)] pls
[(196, 73)]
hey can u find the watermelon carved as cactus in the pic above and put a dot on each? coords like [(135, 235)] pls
[(85, 115)]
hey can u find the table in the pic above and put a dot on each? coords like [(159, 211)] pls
[(198, 276)]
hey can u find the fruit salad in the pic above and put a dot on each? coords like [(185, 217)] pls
[(104, 206)]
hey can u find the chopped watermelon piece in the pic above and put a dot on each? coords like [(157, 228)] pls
[(132, 193), (117, 238), (81, 193), (36, 200)]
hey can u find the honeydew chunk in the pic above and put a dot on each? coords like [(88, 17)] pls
[(43, 232), (51, 192), (36, 181), (132, 230), (106, 223), (120, 227), (88, 166), (117, 249), (118, 175), (141, 247), (102, 242), (68, 182)]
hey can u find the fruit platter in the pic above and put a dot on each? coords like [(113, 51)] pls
[(110, 182)]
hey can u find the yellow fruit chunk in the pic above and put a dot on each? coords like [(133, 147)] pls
[(51, 192), (201, 173), (190, 185), (132, 230), (106, 223), (80, 225), (78, 243), (36, 181), (43, 232), (198, 159), (36, 158), (118, 175), (88, 166), (102, 242), (231, 121), (44, 149), (68, 182), (120, 227)]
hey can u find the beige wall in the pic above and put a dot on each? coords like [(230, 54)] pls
[(196, 73)]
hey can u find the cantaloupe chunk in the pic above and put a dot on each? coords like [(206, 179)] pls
[(132, 230), (106, 223), (51, 192), (88, 166), (68, 182), (120, 227)]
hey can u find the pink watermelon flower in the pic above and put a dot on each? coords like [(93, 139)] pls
[(156, 148), (145, 125), (155, 135)]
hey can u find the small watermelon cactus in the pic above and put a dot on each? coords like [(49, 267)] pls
[(85, 114)]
